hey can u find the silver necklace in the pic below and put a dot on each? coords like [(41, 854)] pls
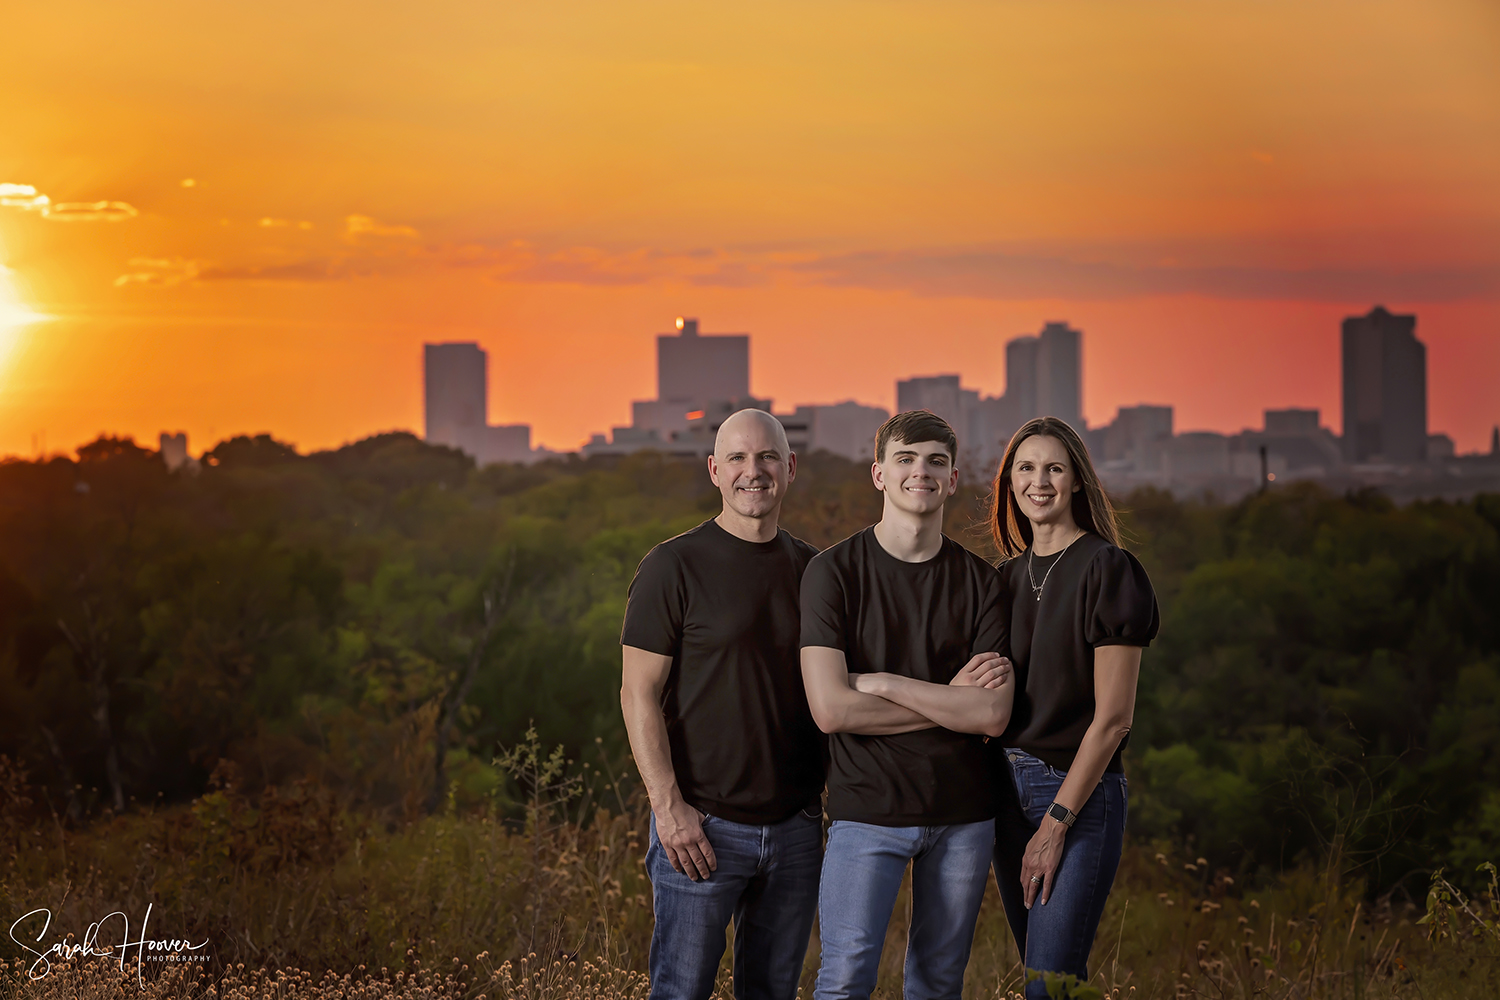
[(1036, 588)]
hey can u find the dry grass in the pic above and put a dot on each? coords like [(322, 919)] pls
[(554, 907)]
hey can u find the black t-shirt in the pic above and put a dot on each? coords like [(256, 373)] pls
[(744, 745), (1097, 595), (922, 620)]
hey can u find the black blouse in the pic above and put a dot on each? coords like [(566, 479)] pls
[(1095, 594)]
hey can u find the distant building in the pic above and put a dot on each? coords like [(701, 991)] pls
[(846, 429), (1292, 422), (1385, 389), (1043, 377), (977, 420), (1020, 399), (174, 452), (1295, 438), (940, 394), (1198, 455), (1139, 438), (1059, 374), (694, 368), (700, 380), (455, 391), (455, 402)]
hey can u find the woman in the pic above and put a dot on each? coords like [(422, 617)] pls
[(1082, 609)]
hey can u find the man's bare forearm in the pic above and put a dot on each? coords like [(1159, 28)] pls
[(866, 715), (978, 710), (644, 677), (646, 727), (838, 708)]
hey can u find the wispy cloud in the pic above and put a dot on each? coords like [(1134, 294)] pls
[(322, 269), (23, 196), (28, 199), (92, 211), (993, 274), (356, 226), (367, 248), (159, 273)]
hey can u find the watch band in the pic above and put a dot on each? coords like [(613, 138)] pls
[(1062, 814)]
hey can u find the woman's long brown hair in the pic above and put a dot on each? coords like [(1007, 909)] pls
[(1011, 529)]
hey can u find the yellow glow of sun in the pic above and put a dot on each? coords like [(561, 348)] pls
[(14, 318)]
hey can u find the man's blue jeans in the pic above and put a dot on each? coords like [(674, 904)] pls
[(767, 881), (1057, 937), (862, 872)]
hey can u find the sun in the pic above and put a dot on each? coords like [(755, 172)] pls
[(14, 318)]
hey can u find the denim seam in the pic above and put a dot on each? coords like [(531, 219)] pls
[(1081, 947)]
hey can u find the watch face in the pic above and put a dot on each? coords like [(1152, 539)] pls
[(1058, 812)]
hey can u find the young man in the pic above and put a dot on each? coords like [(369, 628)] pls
[(890, 616), (721, 731)]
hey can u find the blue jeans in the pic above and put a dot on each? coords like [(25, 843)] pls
[(1057, 937), (862, 872), (767, 881)]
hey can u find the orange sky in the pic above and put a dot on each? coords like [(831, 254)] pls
[(871, 189)]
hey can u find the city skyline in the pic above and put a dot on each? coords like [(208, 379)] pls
[(713, 370), (246, 219), (704, 377)]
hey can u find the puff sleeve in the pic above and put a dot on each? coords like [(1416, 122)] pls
[(1119, 605)]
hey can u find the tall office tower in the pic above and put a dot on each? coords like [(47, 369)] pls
[(454, 396), (1020, 380), (691, 368), (1059, 374), (1385, 388)]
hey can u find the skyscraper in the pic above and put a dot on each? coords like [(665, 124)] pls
[(697, 377), (455, 378), (455, 399), (691, 368), (1020, 380), (1385, 388), (1044, 377), (1059, 374)]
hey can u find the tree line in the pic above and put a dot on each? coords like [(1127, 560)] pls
[(380, 619)]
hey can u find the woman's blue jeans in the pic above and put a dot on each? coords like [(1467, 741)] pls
[(1057, 936)]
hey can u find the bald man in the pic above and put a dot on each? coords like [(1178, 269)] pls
[(719, 724)]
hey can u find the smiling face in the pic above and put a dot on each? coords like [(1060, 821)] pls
[(1043, 480), (752, 464), (916, 478)]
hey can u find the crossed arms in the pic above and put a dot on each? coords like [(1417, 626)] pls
[(977, 700)]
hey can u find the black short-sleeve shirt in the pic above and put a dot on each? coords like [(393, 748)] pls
[(1093, 594), (743, 742), (922, 620)]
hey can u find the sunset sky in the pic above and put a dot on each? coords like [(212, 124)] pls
[(231, 218)]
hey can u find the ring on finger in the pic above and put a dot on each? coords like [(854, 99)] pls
[(1035, 879)]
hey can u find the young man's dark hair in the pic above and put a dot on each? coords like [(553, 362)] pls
[(915, 427)]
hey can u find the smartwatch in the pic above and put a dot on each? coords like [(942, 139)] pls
[(1062, 814)]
